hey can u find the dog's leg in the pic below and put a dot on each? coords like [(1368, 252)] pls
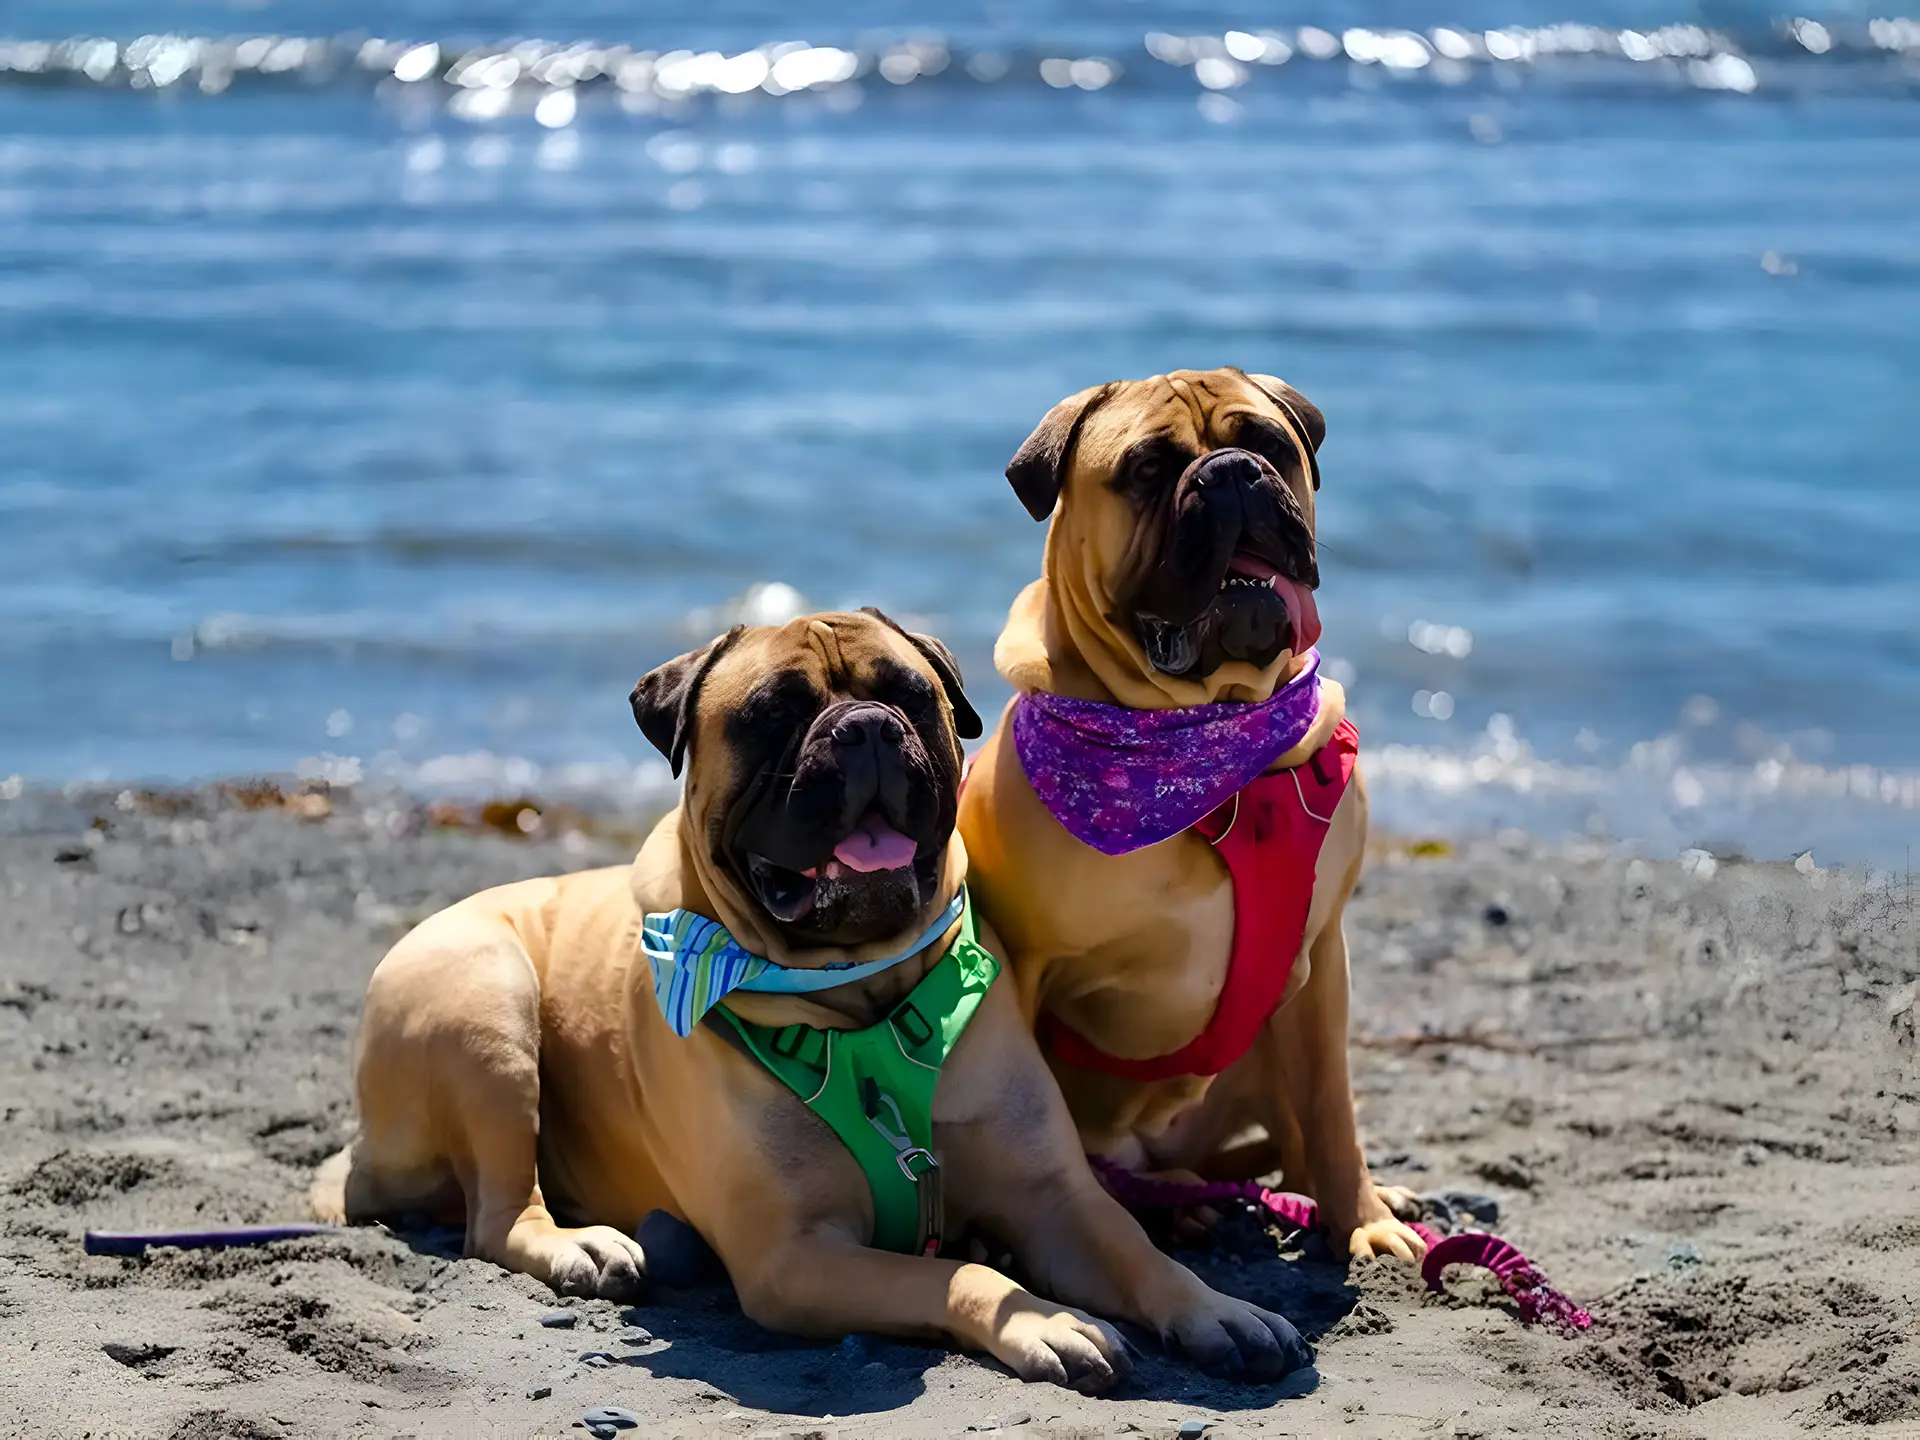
[(1306, 1045), (1083, 1247), (1028, 1184), (824, 1283), (449, 1090), (1079, 1243)]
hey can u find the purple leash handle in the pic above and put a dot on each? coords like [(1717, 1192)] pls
[(1536, 1300), (1139, 1192), (138, 1242), (1525, 1285)]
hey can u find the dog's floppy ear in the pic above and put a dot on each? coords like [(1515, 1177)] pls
[(966, 720), (1306, 415), (1039, 467), (665, 699)]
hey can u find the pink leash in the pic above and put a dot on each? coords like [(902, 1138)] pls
[(1525, 1285)]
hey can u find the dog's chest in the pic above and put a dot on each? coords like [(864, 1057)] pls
[(1162, 974)]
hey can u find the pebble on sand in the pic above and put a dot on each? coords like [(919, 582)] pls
[(611, 1416), (1514, 1171), (559, 1319), (1483, 1208), (137, 1353)]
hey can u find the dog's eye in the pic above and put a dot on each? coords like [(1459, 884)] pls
[(1150, 468), (1269, 444), (775, 711), (904, 688)]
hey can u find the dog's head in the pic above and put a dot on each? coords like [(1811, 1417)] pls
[(822, 764), (1182, 555)]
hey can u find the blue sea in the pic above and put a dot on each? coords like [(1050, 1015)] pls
[(383, 389)]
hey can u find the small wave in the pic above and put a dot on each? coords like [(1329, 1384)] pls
[(438, 635), (1657, 797), (1652, 803), (598, 785), (549, 81), (429, 639), (601, 552), (1689, 785)]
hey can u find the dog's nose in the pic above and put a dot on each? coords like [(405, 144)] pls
[(870, 725), (1229, 468)]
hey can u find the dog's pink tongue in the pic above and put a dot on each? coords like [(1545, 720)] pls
[(1301, 610), (875, 845)]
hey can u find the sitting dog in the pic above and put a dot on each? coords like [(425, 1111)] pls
[(1168, 871), (781, 1025)]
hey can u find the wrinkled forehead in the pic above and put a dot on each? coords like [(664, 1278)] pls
[(823, 656), (1195, 410)]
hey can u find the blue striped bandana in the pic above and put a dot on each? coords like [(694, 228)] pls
[(697, 963)]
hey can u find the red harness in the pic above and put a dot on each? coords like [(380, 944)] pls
[(1269, 834)]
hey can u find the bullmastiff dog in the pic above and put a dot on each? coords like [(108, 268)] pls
[(780, 1024), (1179, 574)]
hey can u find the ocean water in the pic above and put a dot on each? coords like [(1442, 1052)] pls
[(383, 403)]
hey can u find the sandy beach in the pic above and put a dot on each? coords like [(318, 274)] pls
[(1691, 1089)]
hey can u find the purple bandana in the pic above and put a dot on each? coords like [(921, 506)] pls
[(1121, 779)]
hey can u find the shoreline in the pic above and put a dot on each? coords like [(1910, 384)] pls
[(1691, 1087), (1654, 802)]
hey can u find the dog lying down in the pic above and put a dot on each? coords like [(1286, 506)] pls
[(784, 1024)]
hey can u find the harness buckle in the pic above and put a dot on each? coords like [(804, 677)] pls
[(900, 1138), (912, 1024), (788, 1043), (926, 1185)]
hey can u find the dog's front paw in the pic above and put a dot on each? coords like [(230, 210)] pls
[(597, 1262), (1042, 1341), (1229, 1337), (1386, 1236)]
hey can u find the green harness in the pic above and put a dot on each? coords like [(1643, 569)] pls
[(875, 1086)]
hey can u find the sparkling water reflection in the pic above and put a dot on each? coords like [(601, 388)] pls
[(382, 404)]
